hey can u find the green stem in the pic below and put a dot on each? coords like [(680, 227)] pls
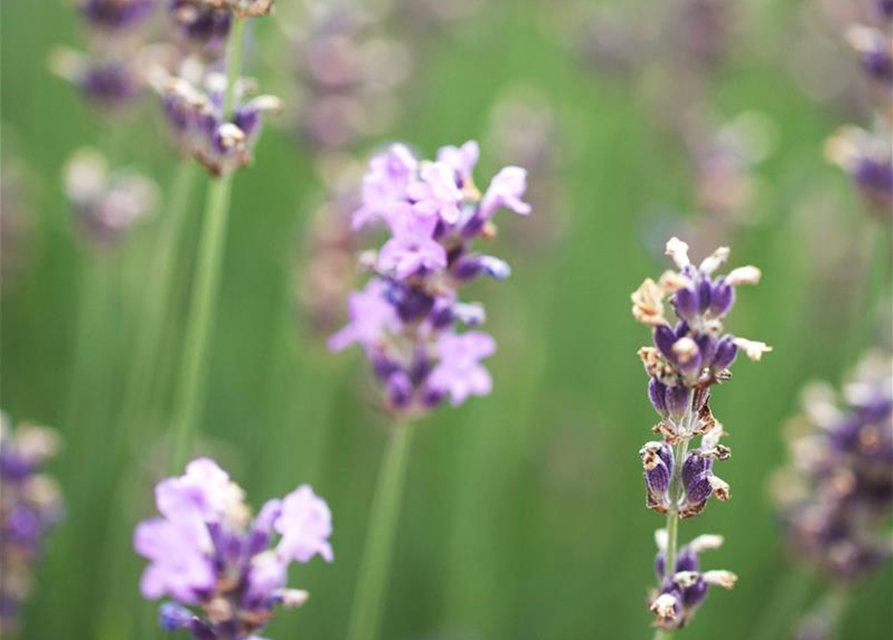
[(157, 296), (199, 323), (372, 584), (786, 598)]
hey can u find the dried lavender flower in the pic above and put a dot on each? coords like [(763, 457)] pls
[(225, 571), (194, 106), (108, 205), (408, 316), (834, 496), (30, 506), (687, 359)]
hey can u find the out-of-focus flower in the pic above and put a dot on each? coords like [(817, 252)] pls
[(408, 317), (202, 25), (684, 590), (194, 111), (108, 205), (867, 157), (30, 506), (348, 72), (224, 570), (524, 129), (114, 16), (111, 82), (835, 494)]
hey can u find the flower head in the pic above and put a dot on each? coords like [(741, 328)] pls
[(409, 318), (207, 553), (195, 114), (684, 589), (835, 493), (30, 506)]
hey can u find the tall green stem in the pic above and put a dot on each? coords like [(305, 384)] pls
[(372, 584), (157, 295), (675, 491), (203, 302)]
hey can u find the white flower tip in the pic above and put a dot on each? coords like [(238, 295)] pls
[(664, 607), (661, 538), (706, 542), (230, 135), (715, 260), (744, 275), (678, 251), (720, 488), (724, 579), (685, 349), (754, 349), (293, 597), (685, 579)]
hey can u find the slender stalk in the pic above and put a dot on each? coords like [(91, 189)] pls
[(676, 489), (157, 296), (199, 323), (372, 584)]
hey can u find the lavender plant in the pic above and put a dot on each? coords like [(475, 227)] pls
[(420, 339), (30, 506), (225, 571), (108, 205), (867, 156), (687, 359), (835, 493)]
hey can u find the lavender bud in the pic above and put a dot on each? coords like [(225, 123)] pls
[(173, 616), (722, 297), (657, 394), (726, 352), (678, 399), (686, 303), (664, 338)]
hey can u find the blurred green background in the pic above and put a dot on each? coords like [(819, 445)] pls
[(524, 514)]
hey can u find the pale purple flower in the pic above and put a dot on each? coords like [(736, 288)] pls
[(460, 372), (305, 524), (206, 550), (385, 185), (462, 159), (436, 194), (434, 212), (506, 190), (413, 247), (371, 316)]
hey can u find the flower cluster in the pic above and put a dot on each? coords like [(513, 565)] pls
[(682, 592), (30, 505), (347, 74), (107, 205), (687, 359), (835, 494), (220, 566), (409, 314), (194, 105), (202, 26), (867, 156), (110, 74)]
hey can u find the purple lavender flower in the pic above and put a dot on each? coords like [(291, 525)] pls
[(202, 24), (868, 159), (111, 82), (683, 591), (108, 205), (30, 506), (687, 359), (224, 570), (836, 492), (408, 317), (196, 118)]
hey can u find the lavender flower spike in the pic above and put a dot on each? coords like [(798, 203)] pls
[(30, 506), (685, 360), (409, 318), (224, 570)]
